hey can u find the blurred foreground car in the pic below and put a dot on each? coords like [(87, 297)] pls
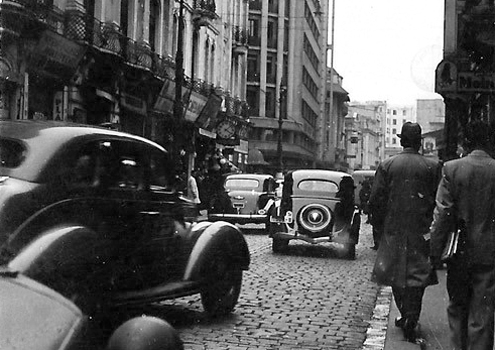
[(34, 316), (250, 199), (316, 206), (91, 214)]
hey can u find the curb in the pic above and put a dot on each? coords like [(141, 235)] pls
[(377, 330)]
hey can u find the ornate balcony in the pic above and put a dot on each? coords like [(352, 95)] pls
[(239, 40), (204, 12)]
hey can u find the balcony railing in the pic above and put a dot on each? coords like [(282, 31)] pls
[(204, 11)]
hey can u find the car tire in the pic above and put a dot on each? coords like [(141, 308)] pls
[(221, 293), (350, 251), (279, 245)]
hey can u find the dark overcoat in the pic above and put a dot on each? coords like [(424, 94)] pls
[(401, 202)]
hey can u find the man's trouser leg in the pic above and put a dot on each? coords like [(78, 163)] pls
[(471, 305), (408, 301)]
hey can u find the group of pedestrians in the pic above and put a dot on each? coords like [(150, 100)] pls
[(415, 203)]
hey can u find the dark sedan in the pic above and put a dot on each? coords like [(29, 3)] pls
[(92, 214), (316, 206), (247, 198)]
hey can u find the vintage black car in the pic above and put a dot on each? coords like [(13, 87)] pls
[(92, 214), (247, 198), (316, 206)]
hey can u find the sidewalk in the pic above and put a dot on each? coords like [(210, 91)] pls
[(384, 335)]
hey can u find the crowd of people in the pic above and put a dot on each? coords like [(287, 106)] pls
[(414, 204)]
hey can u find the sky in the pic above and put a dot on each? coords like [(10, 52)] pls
[(388, 49)]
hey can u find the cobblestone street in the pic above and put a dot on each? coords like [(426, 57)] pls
[(307, 298)]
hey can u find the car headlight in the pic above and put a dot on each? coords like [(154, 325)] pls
[(315, 217)]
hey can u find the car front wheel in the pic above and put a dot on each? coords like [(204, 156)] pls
[(222, 290)]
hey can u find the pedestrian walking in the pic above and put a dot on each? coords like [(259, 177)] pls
[(401, 204), (465, 199)]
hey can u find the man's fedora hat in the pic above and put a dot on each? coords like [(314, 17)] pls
[(410, 131)]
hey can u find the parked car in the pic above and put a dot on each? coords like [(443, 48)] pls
[(36, 317), (362, 178), (91, 214), (246, 198), (316, 206)]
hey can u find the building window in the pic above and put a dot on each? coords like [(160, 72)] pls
[(394, 131), (253, 63), (394, 112), (394, 121), (254, 32), (253, 100), (394, 141), (270, 103), (404, 112), (272, 33), (271, 68)]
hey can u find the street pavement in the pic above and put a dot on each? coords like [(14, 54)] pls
[(307, 298)]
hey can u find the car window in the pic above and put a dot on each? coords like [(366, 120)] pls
[(129, 167), (318, 185), (242, 183), (12, 153), (160, 173), (80, 168)]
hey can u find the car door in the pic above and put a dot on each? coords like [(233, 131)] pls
[(165, 228)]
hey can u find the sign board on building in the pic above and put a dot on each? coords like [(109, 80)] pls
[(56, 55), (449, 79)]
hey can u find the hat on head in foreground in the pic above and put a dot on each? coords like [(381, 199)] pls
[(410, 131)]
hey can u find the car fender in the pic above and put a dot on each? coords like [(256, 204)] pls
[(61, 257), (145, 333), (215, 237)]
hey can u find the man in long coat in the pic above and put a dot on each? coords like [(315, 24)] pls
[(466, 200), (401, 202)]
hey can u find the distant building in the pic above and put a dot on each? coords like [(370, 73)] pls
[(430, 114), (396, 115), (364, 125)]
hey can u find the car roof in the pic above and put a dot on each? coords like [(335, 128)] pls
[(44, 138), (323, 174)]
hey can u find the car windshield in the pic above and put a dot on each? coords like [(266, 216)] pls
[(12, 153), (318, 185), (242, 183)]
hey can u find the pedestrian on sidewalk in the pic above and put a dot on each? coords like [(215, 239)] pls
[(401, 204), (466, 195)]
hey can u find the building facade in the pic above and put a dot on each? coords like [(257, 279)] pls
[(466, 76), (430, 114), (117, 63), (333, 142), (396, 115), (286, 83), (364, 134)]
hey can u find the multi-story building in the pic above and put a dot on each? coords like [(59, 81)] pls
[(117, 62), (430, 114), (333, 155), (286, 85), (364, 134), (396, 115)]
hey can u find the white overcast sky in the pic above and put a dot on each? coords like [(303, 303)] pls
[(388, 49)]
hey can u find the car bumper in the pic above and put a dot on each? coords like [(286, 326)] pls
[(239, 218), (342, 235)]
